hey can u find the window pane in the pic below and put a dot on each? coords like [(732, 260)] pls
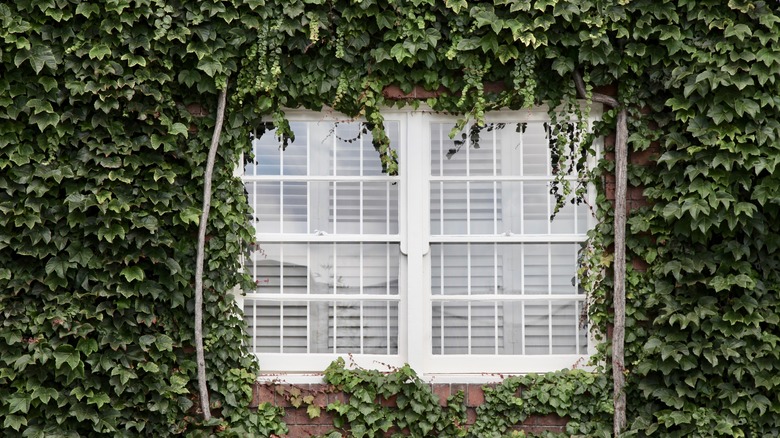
[(536, 207), (362, 208), (322, 327), (466, 268), (535, 150), (504, 327), (316, 268)]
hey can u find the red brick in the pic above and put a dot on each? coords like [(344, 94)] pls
[(394, 92), (337, 397), (494, 87), (390, 402), (609, 90), (634, 204), (197, 110), (471, 415), (609, 144), (262, 393), (324, 418), (306, 431), (644, 158), (442, 390), (283, 395), (455, 387), (296, 416), (540, 429), (475, 396), (545, 420), (639, 264), (635, 193)]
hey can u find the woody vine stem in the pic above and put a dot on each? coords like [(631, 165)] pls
[(619, 267), (200, 359)]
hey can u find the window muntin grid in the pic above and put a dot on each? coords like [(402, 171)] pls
[(481, 197), (327, 260), (504, 197)]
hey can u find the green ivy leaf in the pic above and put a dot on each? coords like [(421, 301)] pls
[(190, 215), (133, 273), (210, 66), (41, 55), (66, 354), (99, 51), (15, 422)]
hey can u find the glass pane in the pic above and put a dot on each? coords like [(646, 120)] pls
[(535, 150), (536, 316), (463, 268), (450, 328), (277, 327), (363, 328), (270, 159), (504, 268), (565, 322), (322, 327), (344, 268), (563, 259), (536, 265), (272, 199), (563, 223), (449, 210), (361, 208), (536, 212), (484, 208), (505, 327), (582, 328)]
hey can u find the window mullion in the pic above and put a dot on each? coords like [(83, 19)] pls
[(417, 176)]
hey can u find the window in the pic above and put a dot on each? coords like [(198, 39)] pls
[(453, 266)]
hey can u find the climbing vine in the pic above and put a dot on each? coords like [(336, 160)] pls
[(106, 110)]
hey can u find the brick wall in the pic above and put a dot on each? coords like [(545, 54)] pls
[(301, 425)]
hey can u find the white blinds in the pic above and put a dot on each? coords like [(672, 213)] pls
[(327, 264), (331, 276), (501, 298)]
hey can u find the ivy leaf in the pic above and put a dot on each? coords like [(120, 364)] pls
[(741, 31), (313, 411), (15, 422), (190, 215), (133, 273), (66, 354), (564, 66), (178, 128), (99, 51), (41, 55), (58, 266), (87, 346), (110, 232), (87, 9), (98, 399), (210, 66), (456, 5), (189, 77), (164, 343)]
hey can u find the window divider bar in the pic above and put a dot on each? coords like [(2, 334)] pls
[(491, 297), (327, 238), (324, 178), (512, 238), (320, 297), (488, 178)]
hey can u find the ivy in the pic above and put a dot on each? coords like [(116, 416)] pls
[(416, 410), (105, 114), (399, 403)]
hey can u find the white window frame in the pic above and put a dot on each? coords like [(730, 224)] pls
[(415, 296)]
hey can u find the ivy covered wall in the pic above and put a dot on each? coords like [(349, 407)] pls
[(101, 173)]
